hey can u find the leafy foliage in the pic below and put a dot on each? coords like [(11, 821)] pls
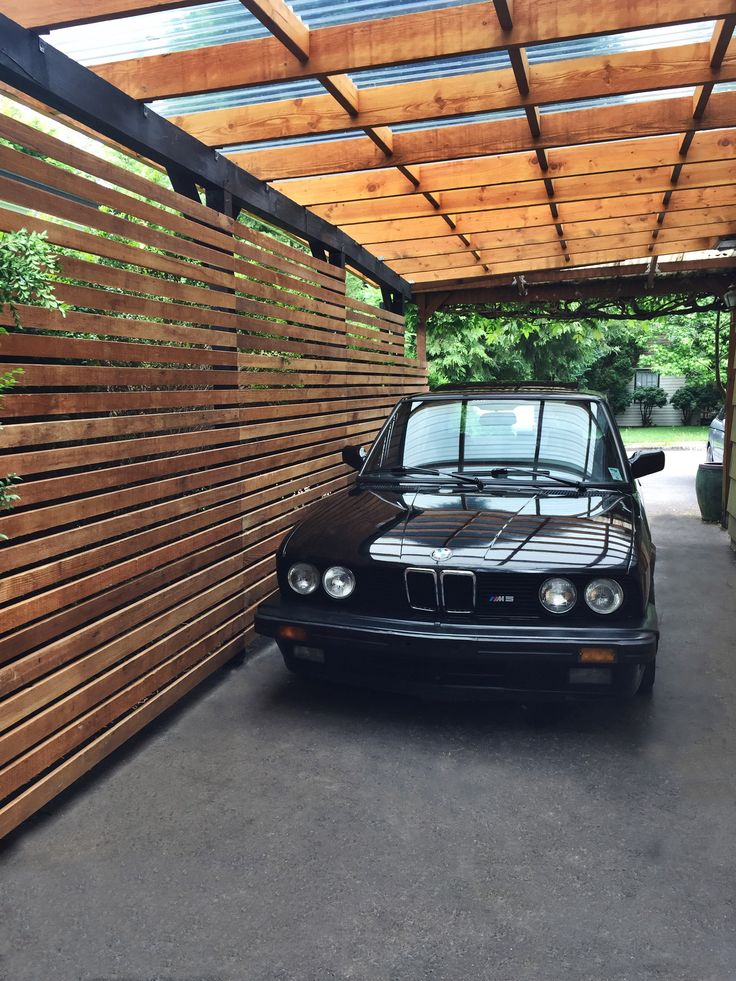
[(466, 346), (611, 373), (696, 401), (694, 346), (648, 398), (27, 264)]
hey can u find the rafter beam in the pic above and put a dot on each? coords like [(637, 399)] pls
[(516, 252), (472, 140), (664, 151), (46, 74), (558, 262), (283, 23), (529, 193), (44, 15), (465, 29), (556, 81), (710, 220), (538, 216)]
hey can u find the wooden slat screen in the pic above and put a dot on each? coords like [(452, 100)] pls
[(168, 430)]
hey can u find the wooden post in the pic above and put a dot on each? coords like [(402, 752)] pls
[(728, 433), (421, 330)]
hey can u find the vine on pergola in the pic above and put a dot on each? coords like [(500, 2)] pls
[(648, 308)]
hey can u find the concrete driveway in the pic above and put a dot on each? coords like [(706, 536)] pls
[(270, 830)]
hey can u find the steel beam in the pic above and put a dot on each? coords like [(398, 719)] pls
[(33, 66)]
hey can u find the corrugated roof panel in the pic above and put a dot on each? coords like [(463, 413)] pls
[(658, 37), (434, 68), (616, 100), (212, 23), (253, 95)]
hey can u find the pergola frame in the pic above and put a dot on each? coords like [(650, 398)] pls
[(545, 190), (44, 73)]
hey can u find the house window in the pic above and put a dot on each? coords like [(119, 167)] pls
[(646, 379)]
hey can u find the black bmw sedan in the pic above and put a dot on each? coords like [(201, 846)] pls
[(494, 541)]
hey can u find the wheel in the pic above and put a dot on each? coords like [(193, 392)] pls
[(647, 679), (709, 454)]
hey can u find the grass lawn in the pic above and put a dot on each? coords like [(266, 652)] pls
[(693, 437)]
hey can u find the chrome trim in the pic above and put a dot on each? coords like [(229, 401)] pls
[(457, 572), (424, 572)]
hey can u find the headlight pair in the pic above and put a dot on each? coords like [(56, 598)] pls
[(559, 595), (338, 582)]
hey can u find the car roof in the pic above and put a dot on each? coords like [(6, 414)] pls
[(532, 389)]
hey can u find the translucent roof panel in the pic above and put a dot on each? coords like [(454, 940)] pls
[(300, 89), (434, 68), (617, 100), (396, 75), (210, 24), (658, 37)]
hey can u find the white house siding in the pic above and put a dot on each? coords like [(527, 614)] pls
[(666, 416)]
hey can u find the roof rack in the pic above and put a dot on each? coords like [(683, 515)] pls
[(509, 386)]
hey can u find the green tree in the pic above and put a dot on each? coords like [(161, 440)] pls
[(612, 372), (694, 346)]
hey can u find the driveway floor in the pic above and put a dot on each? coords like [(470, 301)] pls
[(268, 829)]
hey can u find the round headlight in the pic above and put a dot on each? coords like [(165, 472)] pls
[(339, 582), (303, 578), (604, 595), (557, 595)]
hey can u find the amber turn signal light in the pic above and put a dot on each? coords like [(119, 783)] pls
[(292, 633), (597, 655)]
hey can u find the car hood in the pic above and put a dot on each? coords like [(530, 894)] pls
[(548, 530)]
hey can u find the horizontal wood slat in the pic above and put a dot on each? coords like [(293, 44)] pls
[(169, 428)]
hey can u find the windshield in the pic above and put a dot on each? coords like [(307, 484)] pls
[(570, 439)]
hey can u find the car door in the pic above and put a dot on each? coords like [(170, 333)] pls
[(716, 436)]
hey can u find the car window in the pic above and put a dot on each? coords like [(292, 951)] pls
[(568, 438)]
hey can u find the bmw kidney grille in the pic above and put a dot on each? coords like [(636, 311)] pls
[(451, 591)]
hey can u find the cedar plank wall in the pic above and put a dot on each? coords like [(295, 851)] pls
[(164, 451)]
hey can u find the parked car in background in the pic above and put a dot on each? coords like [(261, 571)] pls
[(494, 541), (716, 431)]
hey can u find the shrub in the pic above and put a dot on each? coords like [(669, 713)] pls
[(696, 402), (648, 399)]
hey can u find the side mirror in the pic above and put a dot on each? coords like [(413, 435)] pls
[(354, 456), (644, 462)]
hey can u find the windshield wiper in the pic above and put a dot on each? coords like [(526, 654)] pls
[(535, 472), (462, 477)]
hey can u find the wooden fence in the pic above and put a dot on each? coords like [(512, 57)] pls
[(167, 431)]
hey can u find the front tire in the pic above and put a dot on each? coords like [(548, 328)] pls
[(709, 454)]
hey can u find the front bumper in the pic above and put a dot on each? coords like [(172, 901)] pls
[(508, 660)]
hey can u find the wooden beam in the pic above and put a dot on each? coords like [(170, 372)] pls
[(45, 15), (283, 23), (703, 274), (529, 193), (662, 151), (523, 252), (591, 231), (584, 259), (465, 29), (556, 81), (46, 74), (625, 285), (539, 216), (343, 90), (448, 143)]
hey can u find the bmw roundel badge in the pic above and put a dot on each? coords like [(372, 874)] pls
[(441, 554)]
